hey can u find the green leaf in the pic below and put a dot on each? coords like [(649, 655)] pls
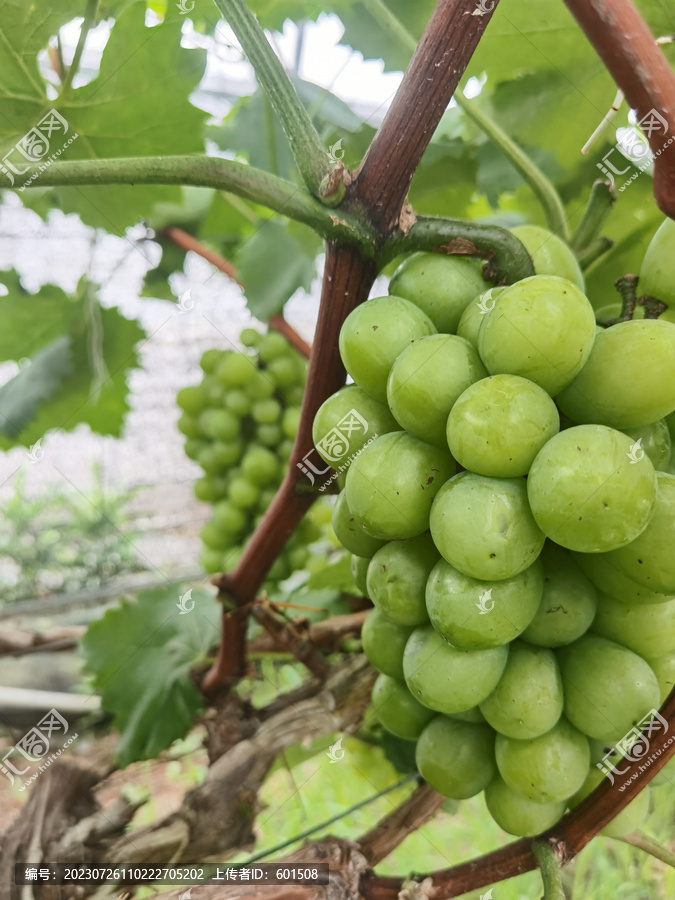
[(337, 575), (32, 321), (140, 654), (272, 266), (35, 382)]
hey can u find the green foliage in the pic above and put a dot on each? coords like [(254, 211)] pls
[(140, 655), (61, 541)]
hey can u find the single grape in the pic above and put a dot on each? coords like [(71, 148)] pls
[(548, 768), (346, 421), (374, 334), (607, 687), (499, 424), (266, 412), (446, 678), (550, 254), (567, 605), (384, 643), (664, 669), (441, 286), (650, 559), (260, 465), (350, 531), (236, 370), (290, 422), (227, 454), (475, 615), (210, 360), (392, 483), (528, 700), (484, 527), (542, 328), (193, 448), (213, 391), (648, 630), (654, 440), (219, 424), (261, 387), (425, 381), (208, 460), (456, 758), (656, 273), (238, 402), (648, 348), (228, 518), (272, 346), (249, 337), (206, 490), (191, 400), (472, 317), (189, 426), (215, 537), (359, 566), (243, 493), (516, 813), (283, 371), (397, 710), (588, 493), (211, 560), (397, 576), (606, 577)]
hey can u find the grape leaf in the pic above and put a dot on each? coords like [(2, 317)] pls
[(34, 382), (32, 321), (140, 654)]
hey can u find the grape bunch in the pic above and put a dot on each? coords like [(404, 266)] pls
[(239, 425), (511, 516)]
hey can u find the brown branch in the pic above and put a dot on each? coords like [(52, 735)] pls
[(568, 837), (328, 635), (278, 323), (289, 636), (347, 280), (383, 179), (16, 642), (637, 64), (187, 242), (391, 831)]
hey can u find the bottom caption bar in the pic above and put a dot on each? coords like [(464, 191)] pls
[(207, 873)]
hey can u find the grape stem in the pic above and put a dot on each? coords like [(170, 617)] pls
[(551, 873), (187, 242), (627, 287), (653, 307), (600, 203), (594, 252), (644, 842), (87, 25)]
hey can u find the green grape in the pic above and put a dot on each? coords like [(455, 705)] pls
[(484, 527), (475, 615), (228, 518), (384, 643), (193, 448), (646, 630), (349, 529), (542, 328), (346, 421), (191, 400), (266, 412), (297, 558), (654, 440), (359, 566), (243, 493), (205, 490), (425, 381), (397, 576), (567, 605), (528, 700), (397, 710), (650, 559), (607, 578), (588, 493), (516, 813), (607, 687), (270, 435), (213, 391), (219, 424), (211, 560), (456, 758), (548, 768), (188, 426), (550, 254), (472, 317), (272, 346), (392, 483), (208, 460), (214, 537), (210, 360), (441, 286), (261, 387), (283, 371), (447, 679), (249, 337), (290, 422), (656, 273), (227, 454), (236, 370), (648, 348), (374, 334), (628, 820), (260, 465), (664, 669), (499, 424), (238, 403)]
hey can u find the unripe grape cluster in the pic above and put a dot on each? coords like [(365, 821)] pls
[(511, 516), (240, 423)]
